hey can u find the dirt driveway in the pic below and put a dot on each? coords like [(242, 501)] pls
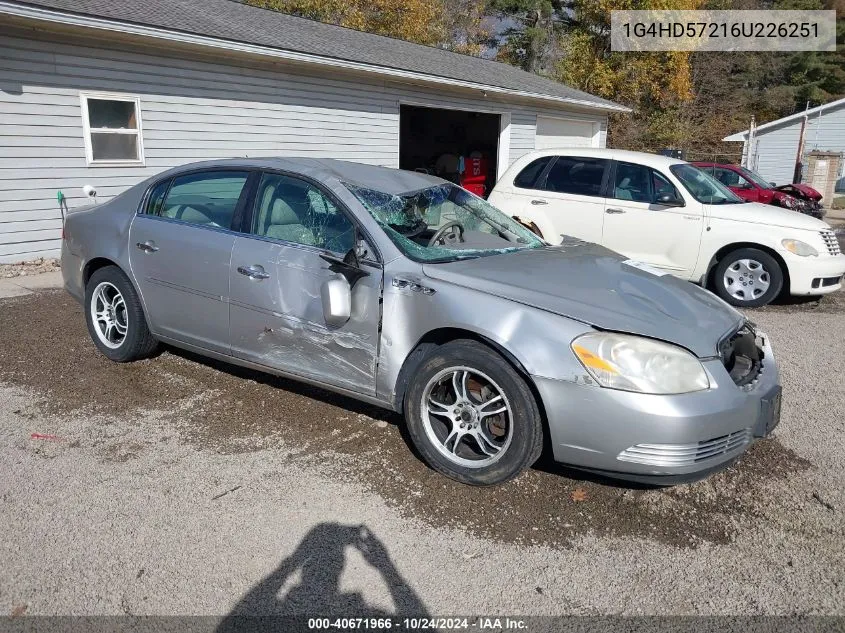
[(178, 485)]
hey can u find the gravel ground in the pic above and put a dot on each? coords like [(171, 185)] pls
[(181, 486)]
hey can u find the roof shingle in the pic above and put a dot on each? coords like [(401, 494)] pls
[(229, 20)]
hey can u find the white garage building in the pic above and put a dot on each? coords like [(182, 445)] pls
[(109, 93), (772, 148)]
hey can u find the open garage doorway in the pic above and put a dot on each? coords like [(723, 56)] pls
[(456, 145)]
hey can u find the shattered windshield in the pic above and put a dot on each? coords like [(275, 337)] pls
[(703, 186), (444, 223)]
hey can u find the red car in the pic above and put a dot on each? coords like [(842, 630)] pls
[(751, 186)]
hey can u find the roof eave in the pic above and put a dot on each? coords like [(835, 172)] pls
[(90, 22), (819, 110)]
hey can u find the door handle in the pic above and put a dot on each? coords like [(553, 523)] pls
[(148, 247), (253, 272), (539, 202), (614, 211)]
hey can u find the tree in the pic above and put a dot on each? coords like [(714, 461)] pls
[(533, 26), (420, 21)]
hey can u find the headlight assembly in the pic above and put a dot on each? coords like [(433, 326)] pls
[(634, 363), (797, 247)]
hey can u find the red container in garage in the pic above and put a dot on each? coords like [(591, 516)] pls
[(474, 175)]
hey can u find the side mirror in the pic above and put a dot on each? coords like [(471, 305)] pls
[(668, 200), (773, 183), (336, 296), (362, 250)]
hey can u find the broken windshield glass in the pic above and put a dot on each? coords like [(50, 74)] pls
[(444, 223)]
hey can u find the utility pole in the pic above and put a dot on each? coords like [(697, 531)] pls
[(748, 148), (799, 156)]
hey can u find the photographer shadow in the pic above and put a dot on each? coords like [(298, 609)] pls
[(320, 559)]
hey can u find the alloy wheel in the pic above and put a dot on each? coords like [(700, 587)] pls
[(467, 417), (108, 312)]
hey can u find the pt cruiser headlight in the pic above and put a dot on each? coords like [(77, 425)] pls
[(797, 247), (634, 363)]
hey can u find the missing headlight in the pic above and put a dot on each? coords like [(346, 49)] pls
[(742, 357)]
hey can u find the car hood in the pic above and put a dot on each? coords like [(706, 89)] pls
[(801, 190), (594, 285), (766, 214)]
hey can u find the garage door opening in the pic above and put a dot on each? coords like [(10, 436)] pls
[(456, 145)]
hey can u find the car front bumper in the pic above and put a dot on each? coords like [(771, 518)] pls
[(815, 275), (661, 438)]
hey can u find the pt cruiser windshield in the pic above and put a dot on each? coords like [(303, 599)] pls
[(444, 223), (703, 186)]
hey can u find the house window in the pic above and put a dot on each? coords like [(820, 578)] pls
[(112, 126)]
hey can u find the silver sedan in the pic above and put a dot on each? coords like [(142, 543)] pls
[(406, 291)]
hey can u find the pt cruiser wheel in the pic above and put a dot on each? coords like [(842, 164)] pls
[(472, 416), (115, 317), (748, 277)]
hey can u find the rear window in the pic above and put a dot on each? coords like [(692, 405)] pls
[(527, 178), (580, 176)]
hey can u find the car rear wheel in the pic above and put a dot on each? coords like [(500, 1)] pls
[(471, 416), (748, 278), (115, 317)]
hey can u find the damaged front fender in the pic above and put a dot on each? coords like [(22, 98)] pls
[(411, 316)]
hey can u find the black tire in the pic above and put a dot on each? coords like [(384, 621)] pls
[(734, 259), (138, 342), (524, 425)]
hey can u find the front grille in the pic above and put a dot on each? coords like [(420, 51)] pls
[(742, 357), (685, 454), (831, 242)]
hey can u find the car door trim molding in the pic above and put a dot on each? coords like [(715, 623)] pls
[(366, 396), (185, 289)]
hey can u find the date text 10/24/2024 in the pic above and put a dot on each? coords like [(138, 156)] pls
[(418, 624)]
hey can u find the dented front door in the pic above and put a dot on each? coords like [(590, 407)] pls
[(277, 278), (277, 320)]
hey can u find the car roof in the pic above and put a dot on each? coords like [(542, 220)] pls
[(642, 158), (384, 179)]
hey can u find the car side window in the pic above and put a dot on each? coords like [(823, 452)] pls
[(729, 178), (204, 198), (581, 176), (662, 186), (527, 178), (293, 210), (633, 182), (155, 201)]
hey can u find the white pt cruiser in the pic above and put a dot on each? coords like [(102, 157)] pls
[(675, 219)]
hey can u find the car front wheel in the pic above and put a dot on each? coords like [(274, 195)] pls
[(748, 278), (115, 317), (472, 416)]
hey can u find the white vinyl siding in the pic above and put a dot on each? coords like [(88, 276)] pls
[(192, 108), (775, 148)]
